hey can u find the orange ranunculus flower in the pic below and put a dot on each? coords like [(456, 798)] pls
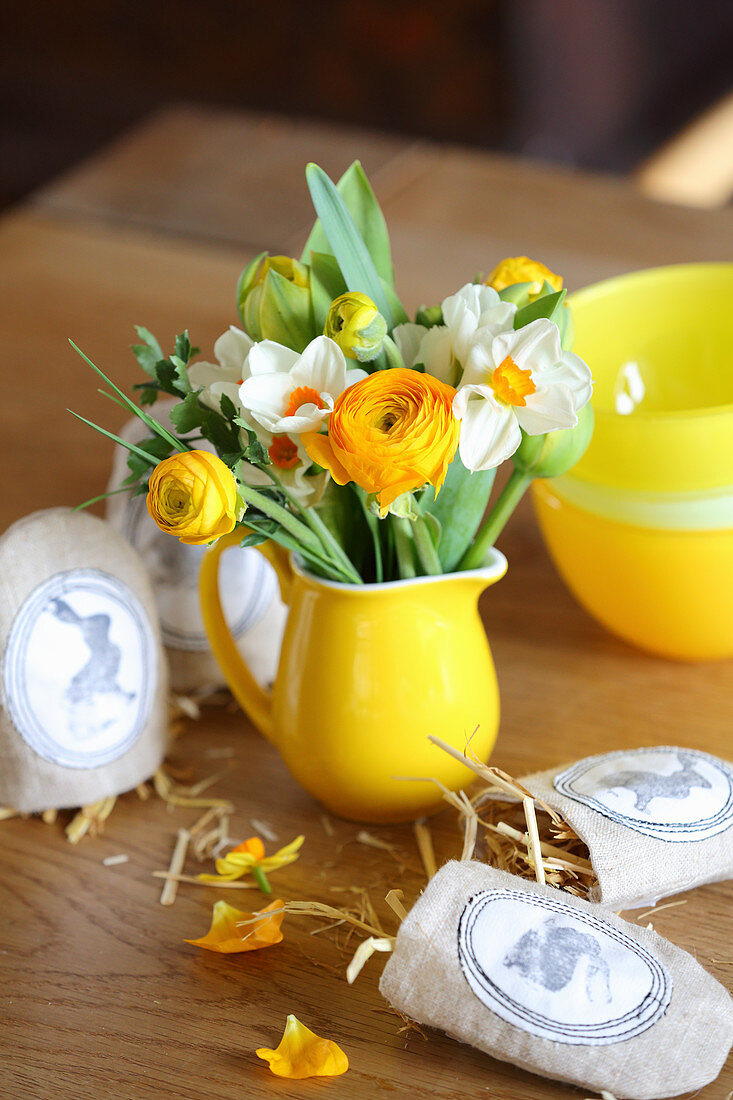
[(303, 1054), (392, 432), (233, 931), (193, 495)]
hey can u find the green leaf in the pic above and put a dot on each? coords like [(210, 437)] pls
[(327, 283), (189, 414), (399, 314), (285, 312), (546, 306), (183, 349), (149, 352), (227, 406), (150, 422), (345, 242), (156, 448), (361, 203), (245, 280), (459, 508)]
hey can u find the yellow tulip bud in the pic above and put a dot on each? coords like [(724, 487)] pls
[(193, 496), (520, 269), (252, 289), (356, 325)]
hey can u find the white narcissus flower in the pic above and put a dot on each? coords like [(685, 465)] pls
[(517, 380), (443, 349), (288, 392), (227, 374)]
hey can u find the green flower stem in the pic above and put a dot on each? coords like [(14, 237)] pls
[(329, 541), (496, 520), (373, 525), (261, 879), (325, 565), (392, 353), (332, 544), (404, 547), (282, 516), (425, 547)]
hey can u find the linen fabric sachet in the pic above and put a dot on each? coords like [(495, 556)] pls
[(656, 821), (249, 590), (83, 676), (558, 986)]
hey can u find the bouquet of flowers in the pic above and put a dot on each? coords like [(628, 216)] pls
[(334, 425)]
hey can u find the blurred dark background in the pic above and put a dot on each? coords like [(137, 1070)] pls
[(594, 83)]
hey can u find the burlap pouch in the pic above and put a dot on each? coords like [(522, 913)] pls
[(249, 590), (656, 821), (557, 986), (83, 677)]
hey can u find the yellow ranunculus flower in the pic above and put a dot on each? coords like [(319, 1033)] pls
[(520, 269), (356, 325), (390, 433), (193, 496)]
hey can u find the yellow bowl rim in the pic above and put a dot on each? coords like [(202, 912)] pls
[(668, 270)]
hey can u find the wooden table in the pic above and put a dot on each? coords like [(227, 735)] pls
[(99, 995)]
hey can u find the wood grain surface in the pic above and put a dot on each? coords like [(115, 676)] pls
[(99, 996)]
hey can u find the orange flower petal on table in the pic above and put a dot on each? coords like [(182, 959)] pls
[(233, 931), (303, 1054)]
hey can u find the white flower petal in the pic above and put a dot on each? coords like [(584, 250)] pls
[(354, 374), (480, 363), (308, 418), (407, 337), (213, 394), (204, 374), (268, 357), (231, 350), (489, 433), (547, 410), (571, 371), (436, 355), (322, 366), (266, 397), (534, 347)]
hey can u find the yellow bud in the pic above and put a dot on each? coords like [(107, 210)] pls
[(520, 269), (356, 325), (194, 497), (251, 290)]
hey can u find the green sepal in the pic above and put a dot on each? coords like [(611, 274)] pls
[(326, 283), (548, 305), (285, 312), (361, 202), (429, 316), (245, 280)]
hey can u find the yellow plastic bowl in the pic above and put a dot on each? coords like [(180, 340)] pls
[(642, 528)]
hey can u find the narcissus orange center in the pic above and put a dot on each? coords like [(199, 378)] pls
[(303, 395), (283, 452), (511, 384)]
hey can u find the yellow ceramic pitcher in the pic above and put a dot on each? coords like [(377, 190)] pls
[(366, 673)]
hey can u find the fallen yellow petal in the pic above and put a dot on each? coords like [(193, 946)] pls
[(303, 1054), (232, 930), (241, 860)]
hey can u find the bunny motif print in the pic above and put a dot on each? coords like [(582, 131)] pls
[(79, 669), (668, 793)]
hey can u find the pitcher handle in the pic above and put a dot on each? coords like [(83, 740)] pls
[(254, 700)]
